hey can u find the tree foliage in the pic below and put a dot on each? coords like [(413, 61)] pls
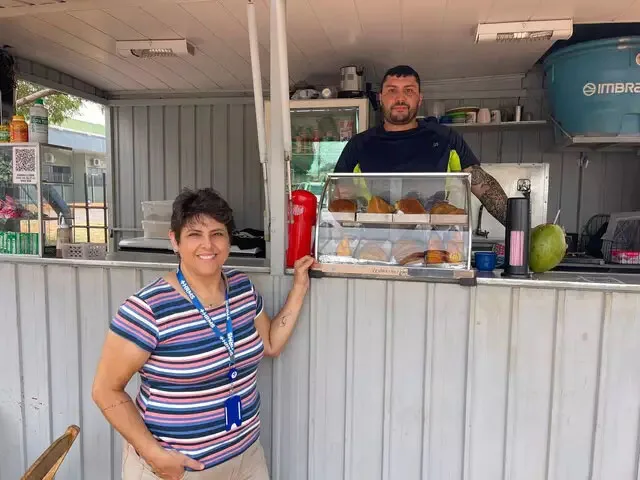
[(60, 105)]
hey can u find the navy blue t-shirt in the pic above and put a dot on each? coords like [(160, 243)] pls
[(431, 147)]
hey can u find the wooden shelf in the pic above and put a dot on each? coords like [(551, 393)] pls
[(497, 126)]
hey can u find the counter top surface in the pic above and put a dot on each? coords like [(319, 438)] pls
[(577, 280), (603, 281)]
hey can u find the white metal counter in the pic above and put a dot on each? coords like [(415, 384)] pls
[(520, 379)]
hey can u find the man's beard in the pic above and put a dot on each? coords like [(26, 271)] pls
[(400, 118)]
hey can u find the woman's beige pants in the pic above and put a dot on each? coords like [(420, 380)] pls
[(251, 465)]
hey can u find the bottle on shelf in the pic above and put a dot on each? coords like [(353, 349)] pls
[(63, 235), (39, 122)]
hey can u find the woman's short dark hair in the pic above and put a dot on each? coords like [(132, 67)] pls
[(192, 204)]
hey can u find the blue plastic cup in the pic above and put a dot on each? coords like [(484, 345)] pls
[(486, 261)]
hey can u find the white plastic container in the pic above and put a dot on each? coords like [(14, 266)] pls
[(157, 210), (38, 122), (156, 229)]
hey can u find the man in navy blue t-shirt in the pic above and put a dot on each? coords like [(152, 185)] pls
[(402, 144)]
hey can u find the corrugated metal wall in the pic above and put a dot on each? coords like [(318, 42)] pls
[(54, 319), (157, 150), (387, 380)]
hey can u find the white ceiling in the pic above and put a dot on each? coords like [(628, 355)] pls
[(435, 36)]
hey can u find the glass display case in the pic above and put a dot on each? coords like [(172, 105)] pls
[(320, 129), (36, 191), (408, 226)]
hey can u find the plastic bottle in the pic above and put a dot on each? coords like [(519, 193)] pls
[(39, 122), (63, 235)]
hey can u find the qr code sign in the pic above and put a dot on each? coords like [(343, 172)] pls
[(25, 159), (24, 164)]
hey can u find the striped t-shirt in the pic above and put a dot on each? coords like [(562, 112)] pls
[(184, 382)]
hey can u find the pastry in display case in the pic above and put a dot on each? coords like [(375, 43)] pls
[(409, 226)]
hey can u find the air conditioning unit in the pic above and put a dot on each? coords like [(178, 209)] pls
[(155, 48), (547, 30), (95, 162)]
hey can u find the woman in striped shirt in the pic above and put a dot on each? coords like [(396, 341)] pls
[(196, 337)]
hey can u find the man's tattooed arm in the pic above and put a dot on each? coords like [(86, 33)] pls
[(489, 192)]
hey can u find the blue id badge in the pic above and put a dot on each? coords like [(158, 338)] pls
[(232, 411)]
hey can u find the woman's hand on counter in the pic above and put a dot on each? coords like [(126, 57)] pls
[(301, 273)]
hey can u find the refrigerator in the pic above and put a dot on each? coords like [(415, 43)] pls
[(320, 129)]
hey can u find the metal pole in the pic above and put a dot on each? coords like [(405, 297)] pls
[(254, 50), (277, 172), (283, 57)]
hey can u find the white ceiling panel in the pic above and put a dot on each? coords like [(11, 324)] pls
[(51, 33), (510, 11), (119, 30), (298, 63), (147, 26), (29, 44), (213, 25), (210, 48), (435, 36), (152, 75), (309, 35), (590, 11), (422, 20), (342, 30)]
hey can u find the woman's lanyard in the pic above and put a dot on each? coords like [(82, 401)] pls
[(227, 339)]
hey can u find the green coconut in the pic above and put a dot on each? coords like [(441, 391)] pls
[(547, 247)]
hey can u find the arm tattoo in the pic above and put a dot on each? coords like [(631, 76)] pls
[(284, 320), (116, 405), (490, 193)]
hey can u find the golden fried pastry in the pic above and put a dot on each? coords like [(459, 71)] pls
[(435, 256), (342, 205), (445, 208), (455, 251), (344, 248), (372, 251), (378, 205), (410, 206), (413, 259), (455, 246), (403, 249)]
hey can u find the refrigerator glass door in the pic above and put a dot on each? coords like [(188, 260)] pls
[(319, 135)]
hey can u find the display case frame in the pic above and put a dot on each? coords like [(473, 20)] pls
[(460, 272), (36, 178)]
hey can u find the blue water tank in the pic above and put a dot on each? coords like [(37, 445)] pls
[(593, 87)]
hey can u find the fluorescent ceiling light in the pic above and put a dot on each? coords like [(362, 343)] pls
[(549, 30), (154, 48)]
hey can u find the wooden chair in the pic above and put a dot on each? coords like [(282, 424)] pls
[(47, 465)]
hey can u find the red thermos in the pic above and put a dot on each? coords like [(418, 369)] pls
[(304, 206)]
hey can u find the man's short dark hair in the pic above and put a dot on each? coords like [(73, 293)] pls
[(400, 71), (191, 205)]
